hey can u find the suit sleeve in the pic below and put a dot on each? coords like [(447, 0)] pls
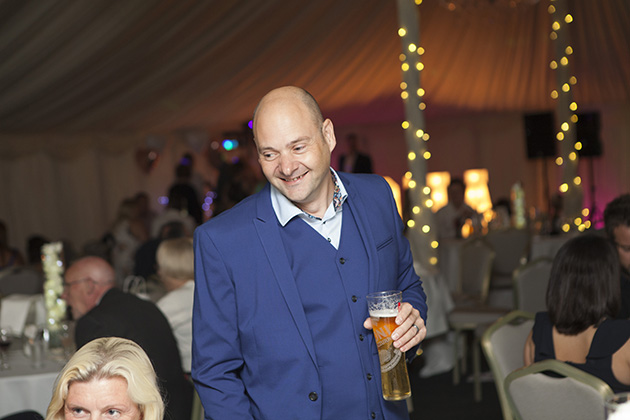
[(216, 354), (408, 281)]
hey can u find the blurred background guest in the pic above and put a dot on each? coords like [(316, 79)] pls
[(453, 215), (354, 161), (101, 310), (143, 209), (617, 225), (107, 378), (187, 195), (128, 232), (579, 327), (9, 257), (237, 179), (145, 260), (34, 246), (175, 258), (175, 211), (197, 180)]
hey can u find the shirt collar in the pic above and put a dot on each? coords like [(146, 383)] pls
[(285, 210)]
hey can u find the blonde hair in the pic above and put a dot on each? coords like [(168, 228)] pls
[(175, 258), (110, 357)]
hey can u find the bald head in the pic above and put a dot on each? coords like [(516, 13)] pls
[(99, 270), (288, 96), (86, 281)]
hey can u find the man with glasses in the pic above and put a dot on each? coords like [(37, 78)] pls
[(617, 220), (102, 310)]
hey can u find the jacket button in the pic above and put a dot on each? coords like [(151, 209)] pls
[(354, 298), (312, 396), (361, 337), (369, 376), (342, 260), (373, 415)]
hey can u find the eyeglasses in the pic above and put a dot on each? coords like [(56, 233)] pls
[(67, 285)]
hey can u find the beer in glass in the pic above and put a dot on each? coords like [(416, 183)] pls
[(383, 308)]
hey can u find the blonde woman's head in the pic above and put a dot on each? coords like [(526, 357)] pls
[(175, 258), (110, 358)]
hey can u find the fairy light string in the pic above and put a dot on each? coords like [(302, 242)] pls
[(421, 232), (566, 118)]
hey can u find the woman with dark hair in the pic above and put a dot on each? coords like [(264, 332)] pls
[(582, 301)]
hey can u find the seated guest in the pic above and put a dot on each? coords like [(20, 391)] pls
[(101, 310), (579, 327), (617, 222), (175, 258), (145, 263), (9, 257), (108, 378)]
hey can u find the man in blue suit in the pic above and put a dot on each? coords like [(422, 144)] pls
[(280, 322)]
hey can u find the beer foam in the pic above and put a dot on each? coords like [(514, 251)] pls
[(384, 313)]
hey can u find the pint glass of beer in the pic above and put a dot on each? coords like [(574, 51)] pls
[(383, 308)]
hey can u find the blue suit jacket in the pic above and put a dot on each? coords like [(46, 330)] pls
[(253, 354)]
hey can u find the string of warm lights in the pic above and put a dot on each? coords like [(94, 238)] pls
[(566, 109), (420, 224)]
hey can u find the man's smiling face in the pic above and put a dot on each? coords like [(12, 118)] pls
[(294, 152)]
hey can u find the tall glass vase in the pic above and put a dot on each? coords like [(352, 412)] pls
[(52, 261)]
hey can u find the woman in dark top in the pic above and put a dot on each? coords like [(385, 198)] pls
[(582, 301)]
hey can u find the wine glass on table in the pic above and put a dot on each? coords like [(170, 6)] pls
[(6, 338)]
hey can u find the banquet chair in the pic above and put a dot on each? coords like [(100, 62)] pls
[(512, 249), (570, 394), (197, 412), (530, 285), (503, 344), (471, 314)]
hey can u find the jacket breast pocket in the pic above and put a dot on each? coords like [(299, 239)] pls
[(387, 264), (384, 243)]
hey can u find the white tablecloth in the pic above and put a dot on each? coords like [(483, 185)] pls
[(437, 348), (23, 387)]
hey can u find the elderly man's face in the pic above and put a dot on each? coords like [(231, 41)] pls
[(77, 289), (621, 236), (294, 153)]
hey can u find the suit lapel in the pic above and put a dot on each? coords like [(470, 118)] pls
[(360, 211), (268, 230)]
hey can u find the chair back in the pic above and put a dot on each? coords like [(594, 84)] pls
[(476, 259), (575, 395), (503, 344), (530, 285), (511, 247), (197, 412)]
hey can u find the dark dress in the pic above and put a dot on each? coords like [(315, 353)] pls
[(125, 315), (610, 336), (624, 310)]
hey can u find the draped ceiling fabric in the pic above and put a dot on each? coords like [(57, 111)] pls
[(120, 70), (86, 86)]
